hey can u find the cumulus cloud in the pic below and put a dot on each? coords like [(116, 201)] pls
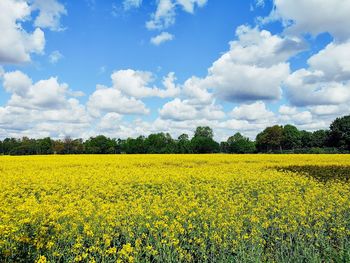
[(161, 38), (42, 94), (292, 115), (39, 109), (326, 81), (255, 112), (137, 84), (128, 87), (180, 110), (302, 92), (330, 111), (105, 100), (313, 16), (254, 67), (333, 61), (16, 44)]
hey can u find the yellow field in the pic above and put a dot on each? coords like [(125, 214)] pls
[(171, 208)]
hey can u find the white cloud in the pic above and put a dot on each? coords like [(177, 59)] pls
[(254, 67), (330, 110), (40, 109), (166, 12), (50, 12), (48, 94), (255, 112), (314, 16), (261, 48), (136, 84), (302, 92), (292, 115), (326, 81), (16, 44), (164, 15), (161, 38), (129, 4), (188, 5), (105, 100), (287, 110), (180, 110), (333, 61), (195, 90), (55, 56), (109, 122), (17, 82)]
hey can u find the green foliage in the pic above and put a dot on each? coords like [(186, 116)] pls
[(100, 145), (319, 138), (306, 139), (160, 143), (291, 137), (240, 144), (275, 139), (339, 135), (183, 144), (270, 139), (200, 144), (204, 132)]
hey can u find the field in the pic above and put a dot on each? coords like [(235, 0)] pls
[(175, 208)]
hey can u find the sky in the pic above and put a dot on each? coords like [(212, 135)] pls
[(125, 68)]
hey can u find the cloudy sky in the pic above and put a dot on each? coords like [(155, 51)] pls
[(128, 68)]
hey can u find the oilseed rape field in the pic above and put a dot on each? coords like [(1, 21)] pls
[(175, 208)]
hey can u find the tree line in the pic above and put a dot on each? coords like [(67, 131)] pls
[(274, 139)]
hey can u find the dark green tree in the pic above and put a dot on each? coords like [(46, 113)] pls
[(204, 131), (202, 141), (306, 139), (45, 146), (339, 133), (160, 143), (291, 138), (100, 145), (134, 146), (183, 144), (270, 139), (240, 144), (319, 138), (201, 144)]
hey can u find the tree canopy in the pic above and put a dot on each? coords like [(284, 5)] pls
[(274, 139)]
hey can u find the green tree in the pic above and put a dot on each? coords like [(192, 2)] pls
[(183, 144), (45, 146), (339, 134), (240, 144), (291, 137), (134, 146), (270, 139), (306, 139), (202, 144), (319, 138), (160, 143), (204, 131), (202, 141), (100, 145)]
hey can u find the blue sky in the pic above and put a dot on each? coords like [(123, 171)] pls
[(86, 67)]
